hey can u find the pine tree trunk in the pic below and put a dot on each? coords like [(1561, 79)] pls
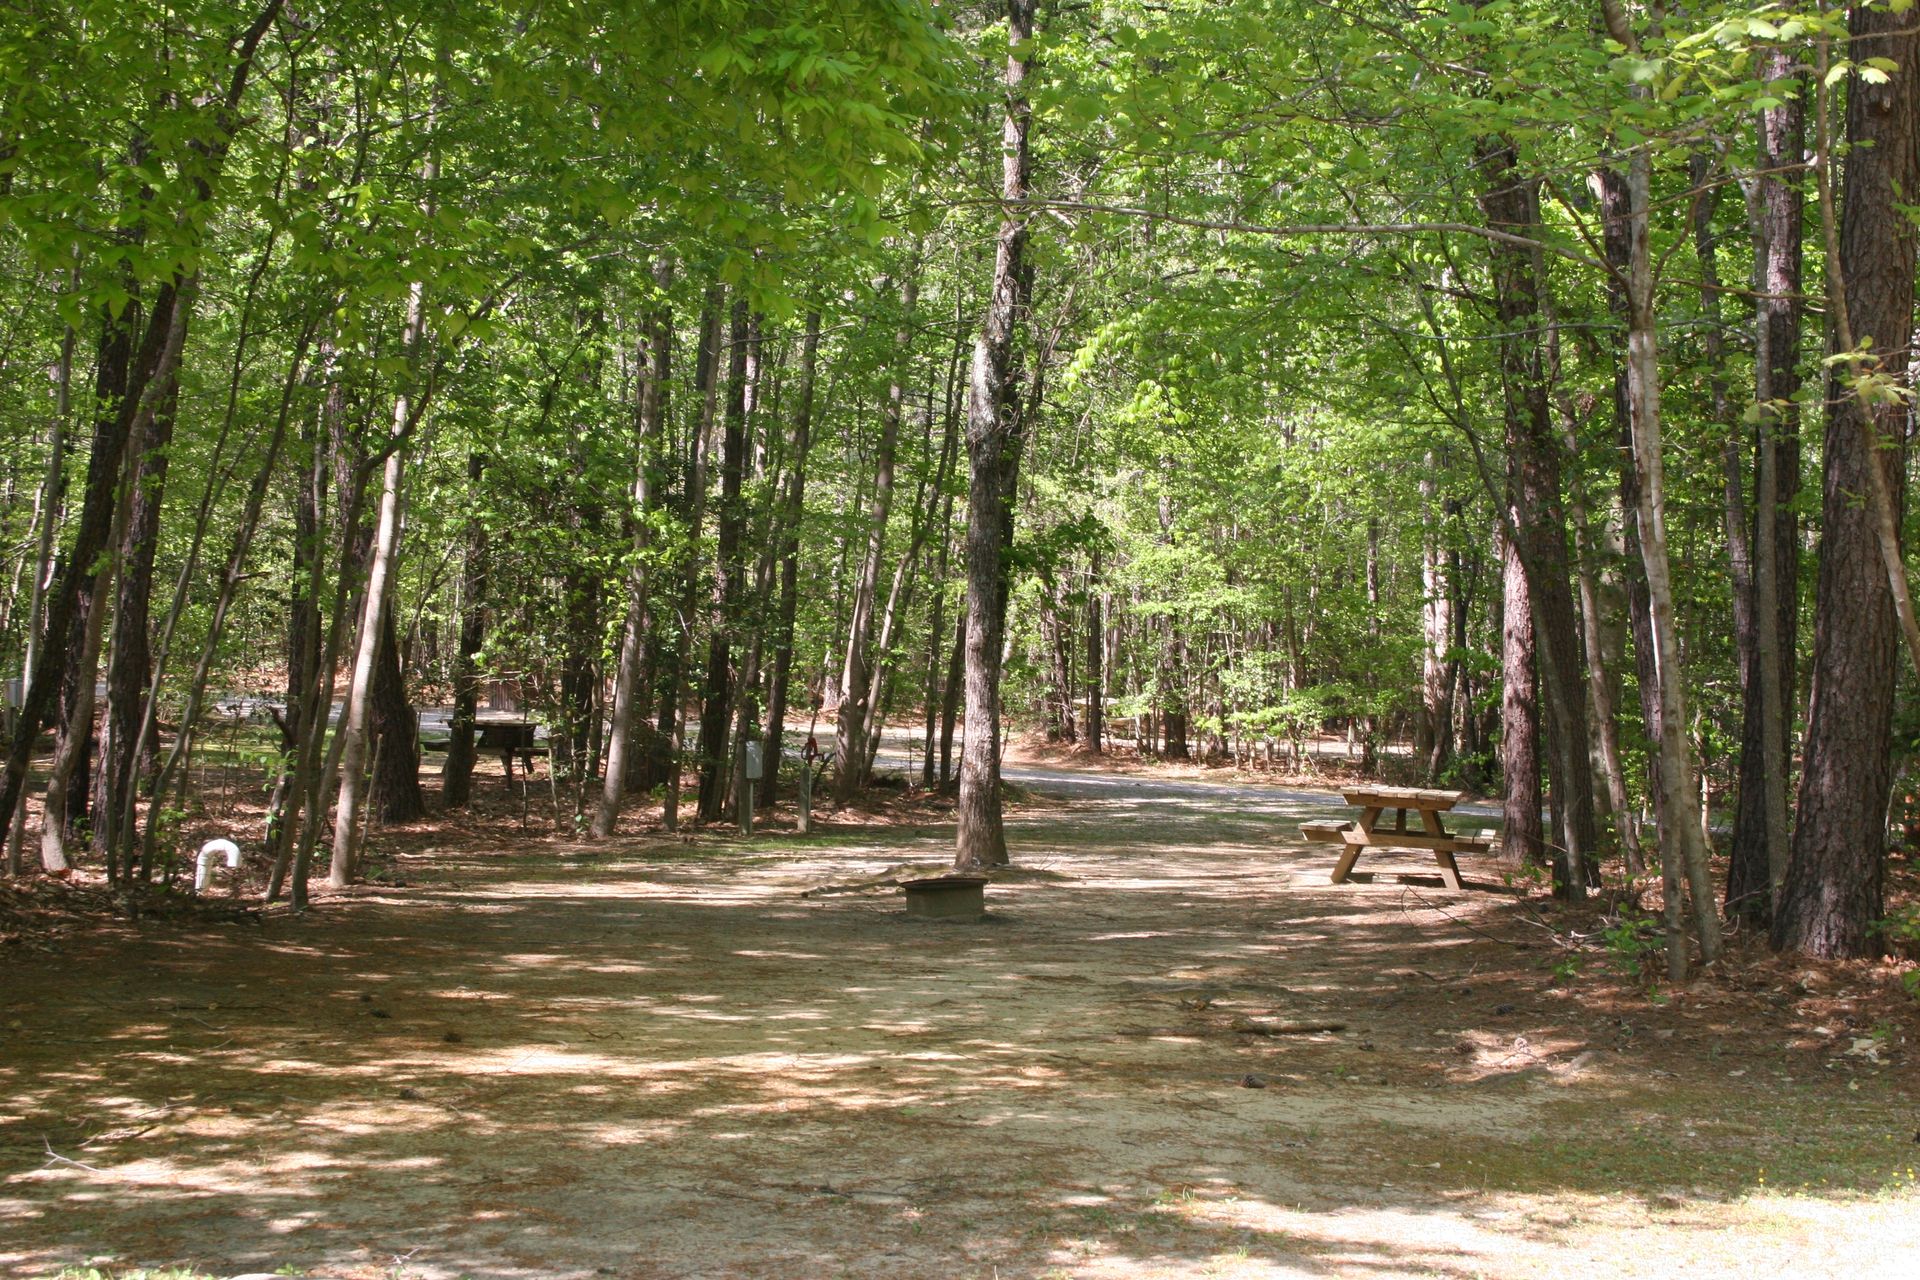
[(1834, 889), (1537, 513)]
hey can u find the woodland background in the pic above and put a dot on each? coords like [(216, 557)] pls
[(1521, 383)]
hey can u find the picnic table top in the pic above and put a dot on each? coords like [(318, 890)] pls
[(1402, 798)]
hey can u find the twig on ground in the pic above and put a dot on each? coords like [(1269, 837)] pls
[(54, 1157)]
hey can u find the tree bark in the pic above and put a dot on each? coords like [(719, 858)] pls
[(1834, 887), (937, 622), (395, 792), (790, 520), (717, 687), (1522, 839), (856, 683), (121, 377), (130, 668), (993, 454), (373, 619), (1537, 514), (456, 775), (47, 507), (1680, 841), (706, 381), (1096, 650), (1433, 727), (1757, 860), (649, 419)]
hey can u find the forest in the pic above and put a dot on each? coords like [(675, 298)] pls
[(1511, 397)]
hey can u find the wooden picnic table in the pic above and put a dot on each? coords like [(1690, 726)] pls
[(1367, 833)]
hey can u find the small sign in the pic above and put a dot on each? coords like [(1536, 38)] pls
[(755, 769)]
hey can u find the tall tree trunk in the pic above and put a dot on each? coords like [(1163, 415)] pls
[(1610, 185), (1433, 727), (857, 692), (1834, 888), (1680, 841), (1757, 861), (317, 759), (373, 618), (993, 453), (950, 699), (649, 422), (78, 609), (1537, 513), (47, 507), (1522, 839), (937, 622), (706, 381), (790, 521), (304, 618), (456, 775), (395, 791), (723, 617), (130, 670), (117, 396), (906, 574), (1096, 650)]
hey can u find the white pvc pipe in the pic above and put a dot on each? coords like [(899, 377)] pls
[(203, 866)]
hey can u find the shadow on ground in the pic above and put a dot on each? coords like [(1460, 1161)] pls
[(666, 1062)]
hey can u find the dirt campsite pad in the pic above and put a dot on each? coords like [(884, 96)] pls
[(1172, 1049)]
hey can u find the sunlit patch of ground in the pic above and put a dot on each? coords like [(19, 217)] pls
[(661, 1059)]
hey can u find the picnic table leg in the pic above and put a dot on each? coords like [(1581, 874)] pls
[(1449, 869), (1344, 868)]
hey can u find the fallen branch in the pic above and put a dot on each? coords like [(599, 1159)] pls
[(1260, 1027)]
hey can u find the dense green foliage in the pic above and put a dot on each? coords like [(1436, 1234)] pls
[(1269, 398)]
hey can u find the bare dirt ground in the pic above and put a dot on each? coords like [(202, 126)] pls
[(659, 1059)]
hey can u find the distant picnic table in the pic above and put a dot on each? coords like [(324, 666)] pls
[(1366, 833)]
